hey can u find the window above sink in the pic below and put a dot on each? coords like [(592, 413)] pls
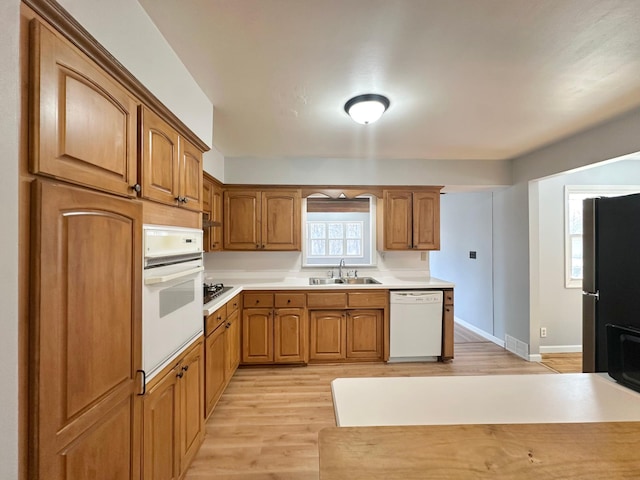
[(339, 228)]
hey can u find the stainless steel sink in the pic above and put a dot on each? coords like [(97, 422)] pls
[(345, 281), (361, 281), (324, 281)]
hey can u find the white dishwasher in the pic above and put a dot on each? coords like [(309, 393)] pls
[(416, 325)]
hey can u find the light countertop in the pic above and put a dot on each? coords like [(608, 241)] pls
[(387, 282), (490, 399)]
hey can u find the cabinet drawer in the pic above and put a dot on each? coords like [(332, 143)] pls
[(262, 300), (326, 300), (285, 300), (369, 299), (448, 297), (233, 304), (215, 319)]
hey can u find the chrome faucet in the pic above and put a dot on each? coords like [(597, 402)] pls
[(340, 265)]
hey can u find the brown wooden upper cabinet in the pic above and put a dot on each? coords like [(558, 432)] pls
[(82, 123), (212, 209), (171, 166), (262, 220), (411, 220)]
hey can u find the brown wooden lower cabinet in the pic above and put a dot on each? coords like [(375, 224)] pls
[(85, 333), (222, 351), (273, 335), (337, 335), (447, 326), (173, 422)]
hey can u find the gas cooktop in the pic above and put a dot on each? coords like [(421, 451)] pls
[(213, 290)]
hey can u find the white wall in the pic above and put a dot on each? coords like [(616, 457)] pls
[(331, 171), (213, 163), (127, 32), (560, 309), (511, 262), (466, 224), (9, 121)]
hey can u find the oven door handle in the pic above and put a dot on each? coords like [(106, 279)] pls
[(172, 276)]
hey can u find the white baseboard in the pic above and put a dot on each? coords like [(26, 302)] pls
[(480, 332), (535, 357), (561, 349)]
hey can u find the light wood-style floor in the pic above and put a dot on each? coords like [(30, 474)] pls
[(266, 424), (563, 362)]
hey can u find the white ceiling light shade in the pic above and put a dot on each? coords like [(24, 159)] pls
[(367, 108)]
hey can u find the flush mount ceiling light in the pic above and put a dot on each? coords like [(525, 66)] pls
[(366, 108)]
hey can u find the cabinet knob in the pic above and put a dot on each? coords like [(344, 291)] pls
[(288, 300), (228, 325), (185, 200), (136, 188), (257, 246), (185, 368), (178, 199), (262, 246), (180, 374)]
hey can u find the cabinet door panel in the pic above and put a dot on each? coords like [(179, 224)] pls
[(160, 162), (190, 175), (241, 226), (447, 332), (364, 334), (232, 344), (86, 322), (216, 217), (257, 335), (426, 220), (327, 337), (215, 368), (280, 220), (191, 405), (161, 430), (398, 212), (289, 335), (83, 124)]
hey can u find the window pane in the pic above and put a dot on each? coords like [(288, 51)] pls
[(354, 230), (336, 247), (575, 215), (317, 230), (318, 247), (354, 247), (336, 230)]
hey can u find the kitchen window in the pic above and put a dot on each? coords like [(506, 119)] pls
[(574, 195), (337, 229)]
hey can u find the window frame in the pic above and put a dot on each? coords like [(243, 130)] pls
[(372, 235), (593, 191)]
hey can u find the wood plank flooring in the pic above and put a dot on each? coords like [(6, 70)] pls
[(563, 362), (266, 424)]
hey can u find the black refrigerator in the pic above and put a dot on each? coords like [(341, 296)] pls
[(611, 275)]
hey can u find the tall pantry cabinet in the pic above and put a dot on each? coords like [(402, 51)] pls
[(85, 333), (81, 221)]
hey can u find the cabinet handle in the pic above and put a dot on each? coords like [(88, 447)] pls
[(136, 188), (227, 325), (178, 199), (262, 246), (180, 375), (185, 200), (144, 382), (185, 368), (288, 300), (257, 246), (219, 317)]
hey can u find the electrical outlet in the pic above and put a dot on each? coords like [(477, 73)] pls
[(543, 332)]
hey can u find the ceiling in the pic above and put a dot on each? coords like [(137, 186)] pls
[(467, 79)]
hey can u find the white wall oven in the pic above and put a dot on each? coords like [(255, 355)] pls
[(172, 294)]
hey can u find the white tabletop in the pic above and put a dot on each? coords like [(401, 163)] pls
[(490, 399)]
